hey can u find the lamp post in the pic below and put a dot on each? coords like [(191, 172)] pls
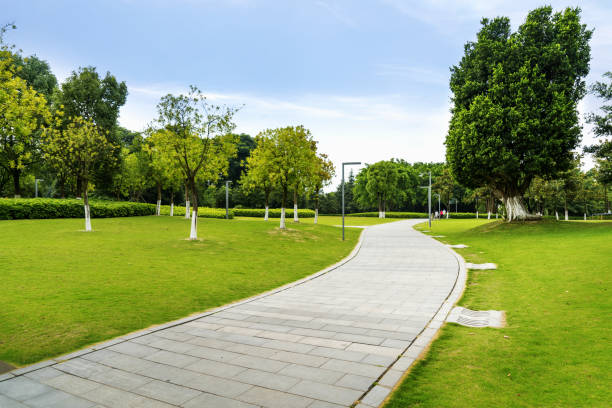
[(227, 199), (428, 198), (345, 164), (36, 187)]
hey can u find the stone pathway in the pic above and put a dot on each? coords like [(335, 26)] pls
[(322, 342)]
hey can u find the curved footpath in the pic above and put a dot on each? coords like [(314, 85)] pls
[(338, 338)]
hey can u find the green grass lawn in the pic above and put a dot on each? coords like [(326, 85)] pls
[(329, 220), (63, 289), (555, 283)]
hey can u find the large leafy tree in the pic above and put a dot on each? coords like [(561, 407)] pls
[(378, 184), (197, 136), (37, 74), (23, 112), (97, 99), (515, 98)]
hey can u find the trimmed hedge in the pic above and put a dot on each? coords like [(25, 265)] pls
[(390, 214), (203, 212), (272, 213), (39, 208)]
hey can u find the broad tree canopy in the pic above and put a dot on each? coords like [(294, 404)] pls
[(515, 101)]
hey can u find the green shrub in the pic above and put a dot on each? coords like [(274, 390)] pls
[(39, 208), (272, 213), (203, 212), (390, 214)]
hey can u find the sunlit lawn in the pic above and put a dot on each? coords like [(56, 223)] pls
[(555, 283), (63, 289), (329, 220)]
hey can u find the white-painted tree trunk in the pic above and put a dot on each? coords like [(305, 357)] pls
[(380, 214), (476, 214), (489, 215), (193, 235), (384, 214), (316, 220), (566, 216), (187, 209), (447, 213), (87, 217), (282, 218), (295, 213), (172, 209), (557, 215), (515, 209), (585, 216), (496, 215), (158, 208), (266, 214)]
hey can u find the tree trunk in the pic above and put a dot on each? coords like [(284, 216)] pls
[(295, 207), (266, 214), (193, 235), (172, 204), (557, 215), (316, 218), (158, 208), (186, 201), (565, 208), (284, 201), (86, 207), (489, 215), (515, 209), (380, 214), (79, 185), (17, 187)]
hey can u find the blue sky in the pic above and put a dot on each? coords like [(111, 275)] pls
[(368, 77)]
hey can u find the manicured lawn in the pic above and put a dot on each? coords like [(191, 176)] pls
[(330, 220), (63, 289), (555, 283)]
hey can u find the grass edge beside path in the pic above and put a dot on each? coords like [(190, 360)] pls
[(553, 282), (55, 310)]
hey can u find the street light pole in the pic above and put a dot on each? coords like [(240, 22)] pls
[(345, 164), (227, 199), (429, 199)]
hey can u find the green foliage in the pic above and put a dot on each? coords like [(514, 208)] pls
[(457, 215), (272, 212), (40, 208), (203, 212), (37, 74), (515, 101)]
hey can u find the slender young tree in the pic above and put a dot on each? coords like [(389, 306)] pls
[(287, 154), (259, 174), (322, 173), (515, 97), (197, 135), (77, 144)]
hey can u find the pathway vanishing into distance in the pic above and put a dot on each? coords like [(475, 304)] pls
[(320, 342)]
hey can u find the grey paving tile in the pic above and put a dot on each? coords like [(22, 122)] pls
[(217, 386), (120, 379), (298, 358), (274, 399), (267, 380), (72, 384), (213, 401), (57, 399), (215, 368), (81, 367), (356, 382), (6, 402), (391, 378), (22, 388), (376, 396), (312, 373), (338, 354), (170, 393), (326, 392), (366, 370), (43, 374), (259, 363), (322, 404), (133, 349), (173, 359)]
